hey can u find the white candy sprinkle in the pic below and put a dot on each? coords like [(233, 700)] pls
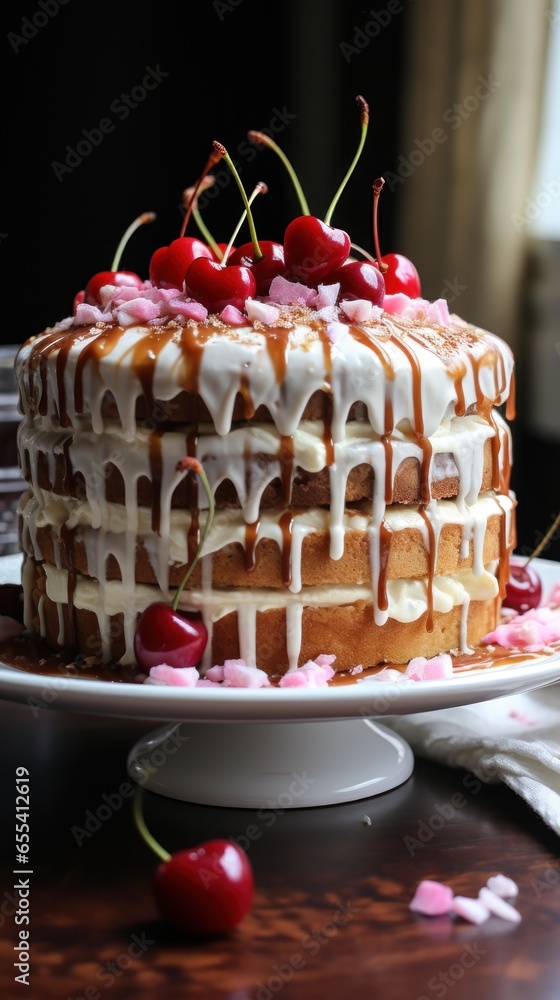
[(503, 886), (472, 910), (498, 906)]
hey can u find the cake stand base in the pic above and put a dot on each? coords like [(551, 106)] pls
[(273, 765)]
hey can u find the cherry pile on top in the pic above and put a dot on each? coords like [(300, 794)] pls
[(313, 252)]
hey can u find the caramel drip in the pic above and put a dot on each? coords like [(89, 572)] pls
[(156, 469), (286, 523), (458, 375), (144, 360), (68, 475), (385, 536), (277, 345), (93, 351), (251, 532), (327, 429), (388, 449), (38, 361), (505, 466), (68, 611), (192, 497), (510, 404), (193, 340), (484, 409), (503, 564), (369, 340), (417, 408), (286, 459), (327, 353), (248, 405), (431, 567)]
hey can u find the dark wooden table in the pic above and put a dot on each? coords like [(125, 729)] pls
[(331, 915)]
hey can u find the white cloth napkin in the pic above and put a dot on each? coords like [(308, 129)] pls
[(515, 739)]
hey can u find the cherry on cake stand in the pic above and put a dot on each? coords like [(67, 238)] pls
[(273, 748)]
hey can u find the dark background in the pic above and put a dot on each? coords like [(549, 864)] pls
[(231, 66)]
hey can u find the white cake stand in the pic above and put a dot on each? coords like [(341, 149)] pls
[(273, 748)]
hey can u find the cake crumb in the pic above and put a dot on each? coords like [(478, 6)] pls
[(367, 820)]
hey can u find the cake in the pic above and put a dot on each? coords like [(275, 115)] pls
[(356, 451)]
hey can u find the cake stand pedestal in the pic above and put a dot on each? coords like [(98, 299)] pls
[(273, 765)]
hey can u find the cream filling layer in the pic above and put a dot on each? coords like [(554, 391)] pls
[(408, 601), (228, 527)]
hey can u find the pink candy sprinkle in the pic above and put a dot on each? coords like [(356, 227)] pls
[(336, 331), (233, 316), (472, 910), (287, 293), (421, 309), (503, 886), (498, 906), (432, 898), (326, 296), (314, 674), (261, 311), (360, 310), (534, 629)]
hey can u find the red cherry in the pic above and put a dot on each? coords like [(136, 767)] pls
[(78, 299), (169, 265), (205, 890), (313, 250), (400, 276), (164, 635), (119, 278), (216, 286), (524, 587), (223, 247), (264, 268), (360, 280)]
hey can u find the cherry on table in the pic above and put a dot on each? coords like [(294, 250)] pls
[(205, 890), (524, 587)]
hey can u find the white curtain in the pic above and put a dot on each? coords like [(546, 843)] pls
[(473, 94)]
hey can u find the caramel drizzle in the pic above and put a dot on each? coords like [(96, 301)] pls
[(423, 441), (484, 409), (385, 538), (431, 567), (156, 468), (286, 459), (192, 341), (192, 497), (286, 523), (278, 345), (510, 404), (248, 405), (93, 352)]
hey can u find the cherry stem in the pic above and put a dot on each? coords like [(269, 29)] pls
[(544, 541), (187, 195), (260, 188), (189, 464), (364, 110), (213, 159), (139, 221), (265, 140), (378, 186), (143, 829), (363, 252), (223, 152)]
